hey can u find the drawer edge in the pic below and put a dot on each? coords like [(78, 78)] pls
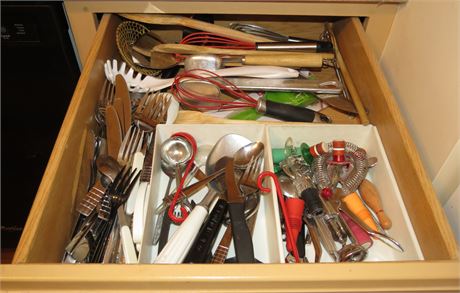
[(437, 276)]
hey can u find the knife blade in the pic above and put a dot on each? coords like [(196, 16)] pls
[(242, 238), (122, 95), (114, 135)]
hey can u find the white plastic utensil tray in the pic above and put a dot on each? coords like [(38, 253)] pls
[(267, 238)]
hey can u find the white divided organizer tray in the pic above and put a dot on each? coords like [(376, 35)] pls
[(381, 175), (267, 238), (267, 231)]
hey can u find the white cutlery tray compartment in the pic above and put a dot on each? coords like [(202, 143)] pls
[(267, 238)]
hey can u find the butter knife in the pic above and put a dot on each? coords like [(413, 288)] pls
[(242, 238), (114, 134), (122, 94)]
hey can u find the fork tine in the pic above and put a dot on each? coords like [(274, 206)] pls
[(132, 143), (152, 110), (247, 171), (135, 174), (164, 110), (248, 181), (124, 146), (141, 104)]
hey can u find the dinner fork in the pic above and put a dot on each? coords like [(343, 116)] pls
[(106, 97), (132, 143), (152, 109), (118, 192), (248, 180)]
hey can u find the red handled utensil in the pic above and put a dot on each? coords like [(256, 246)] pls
[(214, 101), (289, 230), (294, 208), (218, 41)]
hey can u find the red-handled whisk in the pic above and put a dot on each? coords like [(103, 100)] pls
[(216, 41), (196, 99)]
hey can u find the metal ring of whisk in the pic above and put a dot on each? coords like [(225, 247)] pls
[(351, 153)]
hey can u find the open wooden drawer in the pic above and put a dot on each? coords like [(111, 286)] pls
[(36, 263)]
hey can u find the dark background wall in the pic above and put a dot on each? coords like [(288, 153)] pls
[(39, 72)]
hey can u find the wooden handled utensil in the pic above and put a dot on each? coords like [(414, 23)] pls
[(164, 19), (194, 49), (249, 57), (371, 197)]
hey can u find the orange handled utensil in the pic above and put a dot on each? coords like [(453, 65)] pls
[(371, 197), (354, 203)]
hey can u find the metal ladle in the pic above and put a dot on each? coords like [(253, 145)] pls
[(175, 152)]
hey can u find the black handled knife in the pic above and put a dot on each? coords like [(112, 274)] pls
[(242, 238)]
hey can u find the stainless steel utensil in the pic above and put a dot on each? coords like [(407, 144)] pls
[(175, 152), (132, 143), (122, 97), (265, 33), (152, 109), (242, 239), (180, 243), (114, 131), (293, 85)]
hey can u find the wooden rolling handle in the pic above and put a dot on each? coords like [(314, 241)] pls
[(371, 197), (298, 60), (194, 49), (163, 19)]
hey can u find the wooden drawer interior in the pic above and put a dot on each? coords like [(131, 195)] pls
[(53, 214)]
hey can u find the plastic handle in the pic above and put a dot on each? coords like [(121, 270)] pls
[(308, 46), (129, 252), (294, 207), (178, 246), (138, 215), (242, 238), (354, 203), (361, 237), (313, 203), (157, 84), (371, 197), (259, 72), (201, 249), (288, 112), (138, 163)]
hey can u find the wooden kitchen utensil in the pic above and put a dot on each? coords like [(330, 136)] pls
[(164, 19)]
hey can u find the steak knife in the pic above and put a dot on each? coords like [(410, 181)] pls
[(242, 238)]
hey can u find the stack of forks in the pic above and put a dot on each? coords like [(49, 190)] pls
[(128, 126)]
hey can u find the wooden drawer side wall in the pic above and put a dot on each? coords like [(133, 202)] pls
[(429, 221)]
